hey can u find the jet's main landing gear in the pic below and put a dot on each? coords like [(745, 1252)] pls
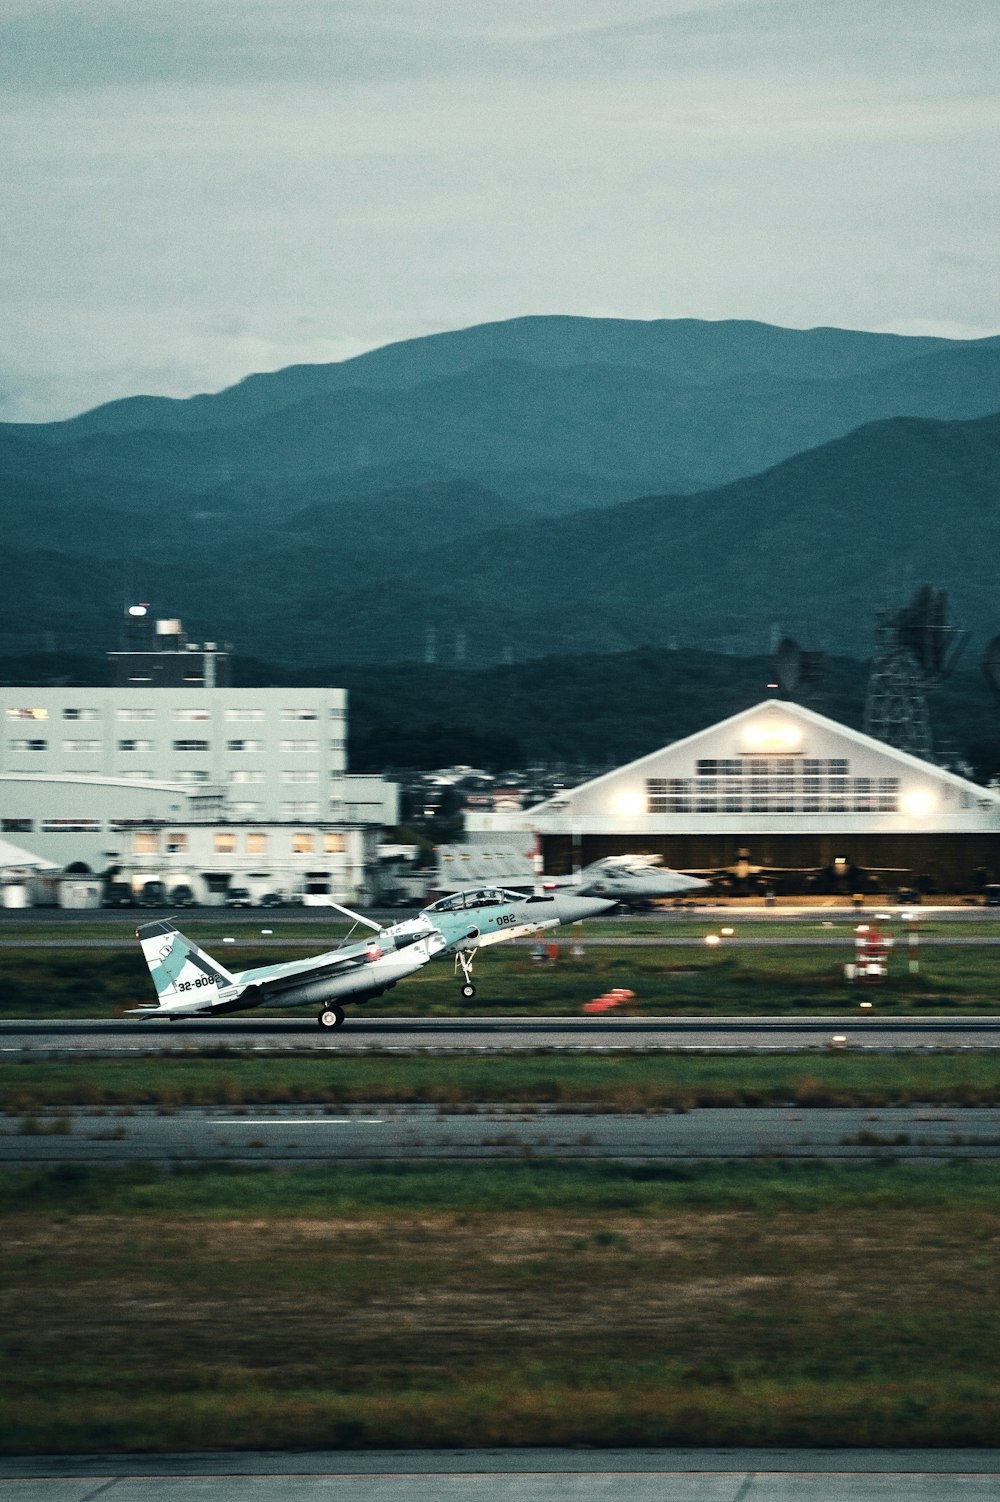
[(331, 1017), (463, 961)]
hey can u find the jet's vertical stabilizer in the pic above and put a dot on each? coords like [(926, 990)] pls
[(185, 976)]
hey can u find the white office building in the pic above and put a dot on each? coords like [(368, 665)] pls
[(272, 753)]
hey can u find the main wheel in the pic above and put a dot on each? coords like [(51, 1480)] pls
[(331, 1017), (468, 990)]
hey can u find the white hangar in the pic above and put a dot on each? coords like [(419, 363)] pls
[(779, 786)]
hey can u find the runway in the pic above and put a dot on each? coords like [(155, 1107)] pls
[(541, 1475), (25, 1037), (317, 1134)]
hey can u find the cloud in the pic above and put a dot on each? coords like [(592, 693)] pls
[(192, 189)]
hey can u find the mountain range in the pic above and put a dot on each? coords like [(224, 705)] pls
[(521, 488)]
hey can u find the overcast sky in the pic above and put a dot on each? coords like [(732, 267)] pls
[(191, 190)]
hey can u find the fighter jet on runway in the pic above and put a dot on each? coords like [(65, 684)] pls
[(634, 881), (190, 983)]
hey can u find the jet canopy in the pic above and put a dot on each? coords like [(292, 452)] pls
[(482, 897)]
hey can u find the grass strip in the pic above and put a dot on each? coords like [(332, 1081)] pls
[(759, 981), (522, 1304), (626, 1082), (213, 1191)]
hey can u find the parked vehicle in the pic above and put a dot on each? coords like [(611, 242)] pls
[(153, 894), (238, 897)]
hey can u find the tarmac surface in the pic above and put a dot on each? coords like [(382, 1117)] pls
[(258, 1034), (316, 1134), (512, 1476)]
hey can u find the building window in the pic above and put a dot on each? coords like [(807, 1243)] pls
[(17, 826), (302, 843), (294, 747), (81, 714), (334, 844), (225, 844), (245, 716), (299, 714), (136, 714), (300, 810), (138, 774), (127, 745), (255, 746), (70, 826), (190, 745), (244, 810), (296, 776), (192, 714), (190, 774), (177, 842), (14, 713), (23, 745), (73, 747), (143, 843), (246, 775), (256, 844)]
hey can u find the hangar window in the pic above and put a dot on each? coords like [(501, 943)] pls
[(122, 745), (224, 843), (177, 841), (299, 775), (333, 844), (888, 795), (192, 714), (189, 774), (81, 714), (302, 842), (299, 714), (244, 746), (299, 746), (190, 745), (245, 775), (256, 844), (244, 715), (17, 826), (70, 826), (88, 746), (136, 714), (245, 810), (143, 843), (26, 745), (14, 713)]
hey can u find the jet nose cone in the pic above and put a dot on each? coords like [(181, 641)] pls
[(572, 908)]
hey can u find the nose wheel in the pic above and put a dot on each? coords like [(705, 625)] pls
[(463, 962), (331, 1017)]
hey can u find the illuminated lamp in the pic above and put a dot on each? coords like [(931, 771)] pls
[(772, 735), (629, 805), (918, 802)]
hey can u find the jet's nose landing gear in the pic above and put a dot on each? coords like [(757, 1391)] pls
[(331, 1017), (463, 961)]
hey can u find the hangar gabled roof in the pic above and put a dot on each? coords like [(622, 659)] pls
[(775, 737)]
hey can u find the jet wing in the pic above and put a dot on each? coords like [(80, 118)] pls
[(334, 961)]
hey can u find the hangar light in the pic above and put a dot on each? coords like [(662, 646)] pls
[(772, 735), (630, 804), (918, 802)]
